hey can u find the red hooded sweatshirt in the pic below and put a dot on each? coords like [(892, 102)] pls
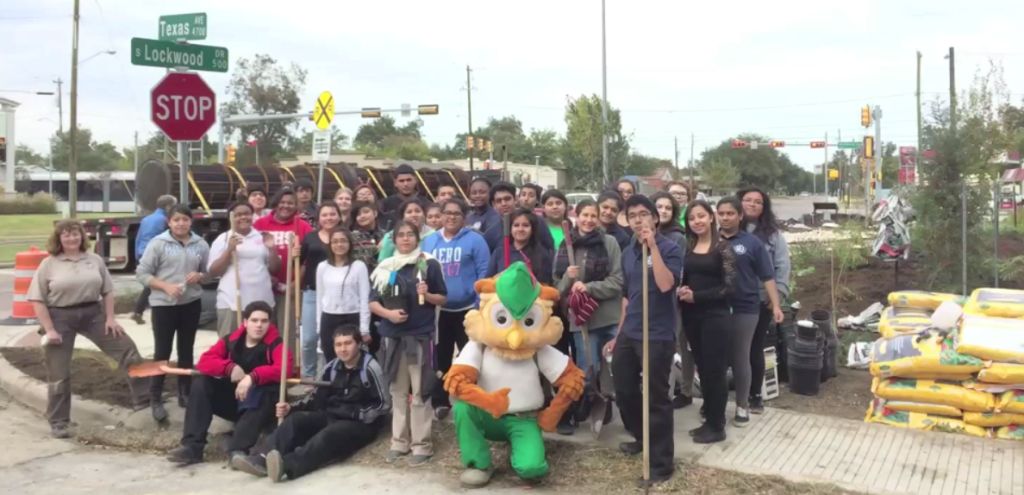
[(216, 361), (295, 225)]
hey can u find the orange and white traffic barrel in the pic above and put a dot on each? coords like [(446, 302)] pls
[(25, 265)]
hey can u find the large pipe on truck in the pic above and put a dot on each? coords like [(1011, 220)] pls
[(214, 186)]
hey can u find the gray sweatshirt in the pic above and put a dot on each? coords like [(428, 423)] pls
[(168, 260), (607, 292), (778, 251)]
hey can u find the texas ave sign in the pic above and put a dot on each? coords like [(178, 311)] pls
[(183, 106)]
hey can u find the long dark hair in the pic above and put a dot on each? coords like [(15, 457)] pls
[(691, 236), (532, 248), (332, 259), (767, 225)]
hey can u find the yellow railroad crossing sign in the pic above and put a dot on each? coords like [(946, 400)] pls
[(323, 112)]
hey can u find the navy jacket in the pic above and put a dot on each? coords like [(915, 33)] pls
[(753, 268), (664, 305)]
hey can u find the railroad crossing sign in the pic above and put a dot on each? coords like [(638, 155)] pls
[(323, 112), (183, 106)]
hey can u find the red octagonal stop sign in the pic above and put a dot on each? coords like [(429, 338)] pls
[(183, 106)]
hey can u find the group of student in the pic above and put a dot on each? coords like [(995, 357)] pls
[(385, 286)]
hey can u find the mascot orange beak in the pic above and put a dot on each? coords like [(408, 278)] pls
[(514, 339)]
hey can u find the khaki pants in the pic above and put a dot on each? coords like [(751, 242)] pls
[(227, 322), (410, 423), (88, 321)]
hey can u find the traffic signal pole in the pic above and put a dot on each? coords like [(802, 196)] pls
[(824, 167)]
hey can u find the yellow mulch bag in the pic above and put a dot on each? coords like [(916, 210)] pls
[(1011, 401), (928, 354), (1009, 373), (1012, 432), (996, 389), (933, 392), (918, 407), (993, 420), (921, 421), (990, 338), (895, 321), (920, 299), (1002, 303)]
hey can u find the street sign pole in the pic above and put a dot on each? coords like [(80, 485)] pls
[(183, 173)]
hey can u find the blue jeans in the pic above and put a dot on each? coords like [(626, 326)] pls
[(310, 334), (598, 338)]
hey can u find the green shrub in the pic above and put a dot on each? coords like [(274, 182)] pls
[(25, 204)]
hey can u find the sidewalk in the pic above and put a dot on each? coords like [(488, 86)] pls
[(796, 446)]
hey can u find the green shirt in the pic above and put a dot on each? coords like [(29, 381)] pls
[(557, 235), (682, 219)]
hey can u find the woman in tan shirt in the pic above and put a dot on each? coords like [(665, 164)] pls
[(66, 293)]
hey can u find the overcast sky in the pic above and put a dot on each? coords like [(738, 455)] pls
[(791, 70)]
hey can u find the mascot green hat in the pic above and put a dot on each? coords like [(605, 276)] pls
[(517, 289)]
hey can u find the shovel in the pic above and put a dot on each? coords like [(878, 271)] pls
[(157, 368)]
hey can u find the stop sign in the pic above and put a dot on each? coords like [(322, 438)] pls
[(183, 106)]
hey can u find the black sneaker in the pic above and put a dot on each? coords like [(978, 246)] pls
[(255, 465), (699, 429), (275, 466), (655, 480), (440, 413), (756, 405), (137, 318), (184, 456), (159, 412), (709, 435), (680, 401), (60, 431), (567, 425), (631, 448)]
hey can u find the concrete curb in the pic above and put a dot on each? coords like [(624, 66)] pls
[(32, 393)]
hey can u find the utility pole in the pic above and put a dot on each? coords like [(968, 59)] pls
[(877, 115), (73, 162), (469, 113), (675, 140), (60, 105), (824, 168), (917, 154), (604, 99), (963, 175), (693, 190), (536, 169)]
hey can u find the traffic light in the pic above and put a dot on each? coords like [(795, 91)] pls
[(869, 147), (427, 109), (230, 158), (370, 113), (817, 144), (469, 142), (3, 149), (776, 144), (739, 143), (865, 116), (490, 146)]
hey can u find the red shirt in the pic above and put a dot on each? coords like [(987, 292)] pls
[(295, 225)]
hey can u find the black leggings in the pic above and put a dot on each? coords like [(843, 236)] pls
[(168, 320), (328, 323), (708, 334), (764, 322), (451, 333)]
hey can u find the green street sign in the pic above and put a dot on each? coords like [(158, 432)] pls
[(849, 145), (183, 27), (156, 53)]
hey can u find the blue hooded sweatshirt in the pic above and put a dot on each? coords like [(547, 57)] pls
[(463, 261)]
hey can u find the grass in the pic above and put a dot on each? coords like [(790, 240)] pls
[(22, 231)]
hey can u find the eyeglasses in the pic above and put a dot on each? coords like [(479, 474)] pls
[(453, 213), (641, 215), (399, 235)]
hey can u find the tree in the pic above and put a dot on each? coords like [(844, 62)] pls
[(964, 157), (581, 150), (545, 144), (259, 85), (764, 166), (27, 155), (720, 175), (374, 133), (92, 156)]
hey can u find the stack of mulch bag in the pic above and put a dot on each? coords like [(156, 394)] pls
[(945, 364)]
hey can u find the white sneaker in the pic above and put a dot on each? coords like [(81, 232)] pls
[(742, 418)]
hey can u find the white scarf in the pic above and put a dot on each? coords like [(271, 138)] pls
[(381, 276)]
